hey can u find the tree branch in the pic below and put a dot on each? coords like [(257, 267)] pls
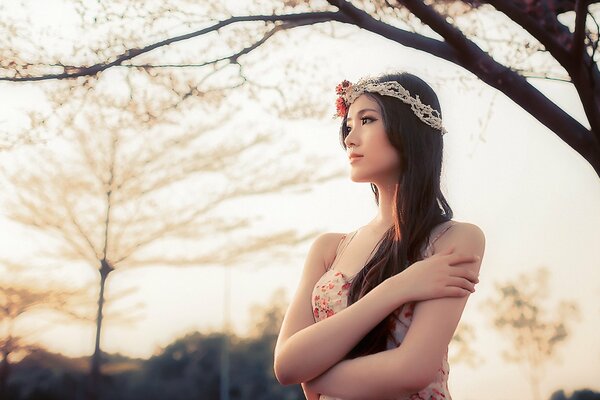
[(68, 207), (579, 35), (457, 49), (233, 58), (450, 33), (515, 86), (365, 21), (295, 20), (533, 27), (585, 80)]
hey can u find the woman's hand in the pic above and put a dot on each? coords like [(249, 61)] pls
[(438, 276)]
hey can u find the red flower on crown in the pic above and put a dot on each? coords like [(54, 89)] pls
[(341, 88), (340, 104)]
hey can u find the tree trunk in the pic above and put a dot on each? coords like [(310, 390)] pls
[(95, 370), (535, 387), (4, 372)]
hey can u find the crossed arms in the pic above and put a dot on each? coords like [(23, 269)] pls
[(313, 354)]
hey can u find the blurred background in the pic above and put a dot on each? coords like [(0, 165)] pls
[(165, 166)]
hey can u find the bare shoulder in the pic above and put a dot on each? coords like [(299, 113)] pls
[(299, 315), (464, 237), (324, 247), (467, 229)]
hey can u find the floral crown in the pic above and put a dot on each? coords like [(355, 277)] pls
[(348, 92)]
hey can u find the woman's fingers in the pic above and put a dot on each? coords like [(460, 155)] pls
[(459, 258), (461, 280), (462, 283), (455, 291), (464, 272)]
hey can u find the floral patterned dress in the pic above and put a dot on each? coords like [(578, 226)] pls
[(330, 296)]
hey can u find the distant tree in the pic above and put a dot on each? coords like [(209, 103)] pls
[(518, 311), (461, 347), (258, 351), (127, 183), (21, 297), (267, 318), (584, 394), (191, 365), (43, 375), (186, 369)]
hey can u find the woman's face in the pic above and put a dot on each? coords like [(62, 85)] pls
[(379, 161)]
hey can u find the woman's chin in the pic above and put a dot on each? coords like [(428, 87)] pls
[(358, 178)]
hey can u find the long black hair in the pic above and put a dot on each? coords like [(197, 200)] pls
[(419, 202)]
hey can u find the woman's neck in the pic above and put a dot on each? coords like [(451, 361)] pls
[(385, 215)]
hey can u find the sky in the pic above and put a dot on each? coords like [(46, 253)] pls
[(534, 197)]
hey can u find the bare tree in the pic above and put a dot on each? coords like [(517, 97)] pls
[(22, 295), (560, 35), (462, 346), (534, 332), (133, 182)]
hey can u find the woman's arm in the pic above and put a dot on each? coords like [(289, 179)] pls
[(414, 364), (305, 350)]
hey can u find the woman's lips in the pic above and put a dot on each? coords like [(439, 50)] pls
[(355, 157)]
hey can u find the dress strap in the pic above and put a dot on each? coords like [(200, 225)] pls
[(344, 236), (339, 252), (444, 227)]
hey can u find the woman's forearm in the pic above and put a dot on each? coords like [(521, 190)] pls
[(365, 378), (316, 348)]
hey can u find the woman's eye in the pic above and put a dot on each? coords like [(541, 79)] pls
[(363, 121), (365, 118)]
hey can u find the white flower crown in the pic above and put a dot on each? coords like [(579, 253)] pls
[(348, 92)]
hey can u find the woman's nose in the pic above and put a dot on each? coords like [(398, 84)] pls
[(350, 140)]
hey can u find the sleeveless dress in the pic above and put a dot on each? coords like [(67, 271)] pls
[(330, 296)]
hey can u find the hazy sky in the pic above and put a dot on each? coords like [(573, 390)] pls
[(534, 197)]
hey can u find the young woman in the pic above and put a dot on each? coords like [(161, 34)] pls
[(388, 296)]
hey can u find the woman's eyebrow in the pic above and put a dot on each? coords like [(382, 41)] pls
[(361, 111)]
